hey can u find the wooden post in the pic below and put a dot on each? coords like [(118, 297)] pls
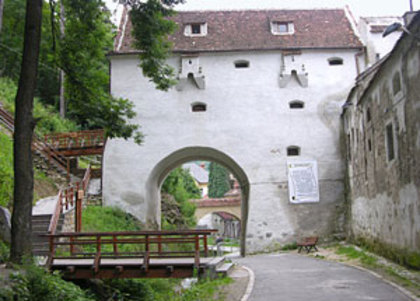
[(159, 244), (197, 252), (114, 244), (71, 245), (78, 213), (206, 249)]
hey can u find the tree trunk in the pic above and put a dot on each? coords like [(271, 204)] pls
[(1, 13), (62, 74), (21, 246)]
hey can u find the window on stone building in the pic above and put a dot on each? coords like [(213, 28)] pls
[(389, 141), (198, 107), (296, 104), (293, 151), (241, 64), (334, 61), (396, 83)]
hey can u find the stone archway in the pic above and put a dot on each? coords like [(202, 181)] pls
[(161, 170)]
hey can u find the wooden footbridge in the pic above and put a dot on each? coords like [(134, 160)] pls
[(140, 254)]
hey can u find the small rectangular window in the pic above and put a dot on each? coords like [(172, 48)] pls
[(196, 28), (282, 27), (389, 132)]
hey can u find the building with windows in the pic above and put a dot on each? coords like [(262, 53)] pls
[(382, 132), (256, 89)]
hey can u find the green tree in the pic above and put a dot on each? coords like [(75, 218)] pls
[(180, 184), (219, 182), (151, 28), (21, 245)]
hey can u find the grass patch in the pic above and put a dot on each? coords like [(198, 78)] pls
[(288, 247), (107, 219), (351, 253)]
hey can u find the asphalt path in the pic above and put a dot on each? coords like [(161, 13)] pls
[(300, 278)]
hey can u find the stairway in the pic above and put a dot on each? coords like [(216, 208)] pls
[(218, 267), (40, 224)]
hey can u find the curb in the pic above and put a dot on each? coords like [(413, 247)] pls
[(250, 285), (400, 288)]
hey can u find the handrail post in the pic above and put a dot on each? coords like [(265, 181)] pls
[(78, 213), (98, 254), (159, 244), (146, 255), (71, 245), (206, 249), (114, 244), (52, 251), (197, 252)]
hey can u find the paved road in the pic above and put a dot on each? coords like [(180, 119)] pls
[(300, 278)]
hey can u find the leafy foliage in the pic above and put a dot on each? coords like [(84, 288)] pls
[(182, 187), (34, 283), (11, 45), (48, 119), (150, 30), (219, 182), (81, 54), (6, 171)]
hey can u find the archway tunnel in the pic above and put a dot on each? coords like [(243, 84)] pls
[(188, 154)]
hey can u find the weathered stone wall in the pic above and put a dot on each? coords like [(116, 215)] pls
[(384, 192)]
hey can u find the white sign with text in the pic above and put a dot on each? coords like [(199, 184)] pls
[(303, 181)]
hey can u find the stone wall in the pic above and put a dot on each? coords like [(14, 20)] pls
[(382, 128)]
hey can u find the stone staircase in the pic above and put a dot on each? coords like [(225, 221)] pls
[(218, 267), (40, 224)]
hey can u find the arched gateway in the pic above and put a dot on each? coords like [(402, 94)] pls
[(286, 158), (177, 158)]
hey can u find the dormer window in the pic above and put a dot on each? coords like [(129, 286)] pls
[(282, 28), (195, 30)]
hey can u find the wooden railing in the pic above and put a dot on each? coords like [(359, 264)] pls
[(7, 119), (46, 150), (122, 245), (81, 139), (52, 156), (68, 198)]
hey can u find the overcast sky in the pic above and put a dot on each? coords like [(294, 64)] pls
[(358, 7)]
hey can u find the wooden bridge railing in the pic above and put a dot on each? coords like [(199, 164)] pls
[(122, 245), (68, 198), (81, 139)]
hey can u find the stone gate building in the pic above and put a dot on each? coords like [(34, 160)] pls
[(256, 89)]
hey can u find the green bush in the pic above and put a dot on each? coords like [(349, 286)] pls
[(34, 283)]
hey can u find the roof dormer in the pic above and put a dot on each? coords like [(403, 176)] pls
[(197, 29), (282, 27)]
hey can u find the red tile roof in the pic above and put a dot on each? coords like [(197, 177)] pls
[(250, 30)]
